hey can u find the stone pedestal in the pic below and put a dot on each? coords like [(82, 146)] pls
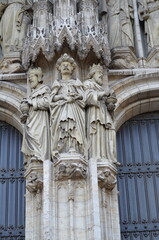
[(11, 63), (123, 57)]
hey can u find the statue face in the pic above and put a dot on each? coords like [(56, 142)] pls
[(33, 80), (66, 68), (98, 76)]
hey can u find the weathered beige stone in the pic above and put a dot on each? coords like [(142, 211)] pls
[(75, 196)]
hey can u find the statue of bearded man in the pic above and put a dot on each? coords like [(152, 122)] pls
[(67, 111), (100, 129), (35, 115)]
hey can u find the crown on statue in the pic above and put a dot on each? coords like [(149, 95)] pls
[(65, 58), (94, 68)]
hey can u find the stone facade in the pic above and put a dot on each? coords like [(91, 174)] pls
[(72, 72)]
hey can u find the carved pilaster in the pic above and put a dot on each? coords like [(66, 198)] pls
[(107, 189), (34, 186)]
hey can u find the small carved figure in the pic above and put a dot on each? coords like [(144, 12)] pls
[(67, 111), (107, 179), (34, 184), (100, 129), (119, 24), (35, 115), (71, 171)]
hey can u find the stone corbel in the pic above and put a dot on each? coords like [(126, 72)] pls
[(123, 57), (70, 167), (10, 65), (70, 171), (107, 176), (34, 183)]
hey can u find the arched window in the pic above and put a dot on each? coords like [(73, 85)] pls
[(138, 178), (12, 184)]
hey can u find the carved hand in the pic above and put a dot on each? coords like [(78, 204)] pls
[(30, 102), (69, 99)]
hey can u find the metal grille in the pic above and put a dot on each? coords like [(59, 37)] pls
[(12, 184), (138, 177)]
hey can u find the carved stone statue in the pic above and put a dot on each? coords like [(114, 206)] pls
[(149, 13), (67, 111), (100, 130), (119, 22), (35, 115), (13, 27)]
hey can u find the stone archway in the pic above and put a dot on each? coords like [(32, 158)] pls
[(136, 95), (138, 177), (10, 98)]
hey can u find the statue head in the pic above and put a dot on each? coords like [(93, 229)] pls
[(66, 64), (96, 73), (35, 77)]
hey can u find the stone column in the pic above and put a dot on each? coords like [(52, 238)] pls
[(34, 189)]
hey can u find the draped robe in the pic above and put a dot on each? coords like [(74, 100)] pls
[(67, 119), (100, 129), (36, 130)]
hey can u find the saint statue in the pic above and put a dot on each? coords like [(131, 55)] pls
[(13, 24), (149, 14), (120, 23), (35, 115), (67, 111), (100, 129)]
